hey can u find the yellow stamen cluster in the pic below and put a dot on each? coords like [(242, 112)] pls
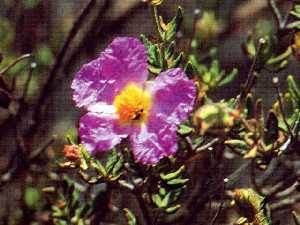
[(132, 104)]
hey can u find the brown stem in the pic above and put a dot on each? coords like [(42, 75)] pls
[(253, 179), (143, 207), (252, 74)]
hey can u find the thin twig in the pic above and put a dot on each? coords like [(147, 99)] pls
[(253, 178), (59, 59), (208, 145), (9, 95), (280, 101), (34, 154), (27, 82), (143, 207), (189, 143), (156, 17), (12, 64), (8, 67), (251, 75), (214, 220)]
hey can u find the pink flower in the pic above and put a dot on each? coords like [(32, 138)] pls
[(121, 103)]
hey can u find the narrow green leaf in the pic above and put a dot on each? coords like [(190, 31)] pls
[(174, 26), (173, 209), (272, 129), (296, 218), (99, 167), (185, 130), (111, 161), (235, 143), (177, 61), (177, 181), (32, 197), (293, 87), (157, 200), (131, 219), (173, 175), (189, 70), (229, 78), (165, 201), (170, 51), (118, 166)]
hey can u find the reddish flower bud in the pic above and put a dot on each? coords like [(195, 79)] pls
[(296, 45), (72, 152)]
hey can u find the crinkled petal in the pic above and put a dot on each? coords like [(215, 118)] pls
[(173, 96), (100, 132), (152, 143), (122, 62)]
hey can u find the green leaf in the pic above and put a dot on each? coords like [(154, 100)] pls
[(293, 87), (173, 175), (162, 191), (85, 159), (297, 8), (7, 34), (30, 4), (157, 200), (214, 115), (44, 56), (249, 106), (189, 70), (185, 130), (126, 184), (56, 211), (294, 25), (272, 129), (235, 143), (296, 218), (32, 197), (199, 68), (165, 201), (131, 219), (253, 206), (170, 51), (155, 59), (173, 209), (99, 167), (174, 26), (118, 166), (177, 61), (229, 78), (178, 181), (111, 161)]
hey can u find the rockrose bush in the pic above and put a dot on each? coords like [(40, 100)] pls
[(164, 137)]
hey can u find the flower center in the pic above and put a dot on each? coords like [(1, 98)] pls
[(132, 104)]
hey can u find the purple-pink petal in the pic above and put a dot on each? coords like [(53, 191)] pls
[(173, 100), (100, 132), (122, 62), (152, 143), (173, 96)]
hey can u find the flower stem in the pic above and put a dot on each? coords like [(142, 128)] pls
[(143, 207), (156, 17), (252, 74)]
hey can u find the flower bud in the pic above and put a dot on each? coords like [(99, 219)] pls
[(72, 152), (296, 45)]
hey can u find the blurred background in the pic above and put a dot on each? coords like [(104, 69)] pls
[(40, 27)]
